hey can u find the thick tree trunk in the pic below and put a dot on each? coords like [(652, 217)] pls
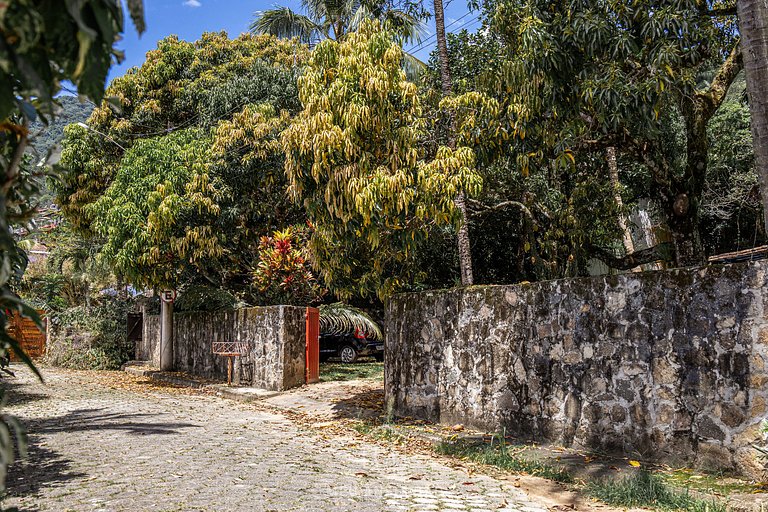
[(613, 171), (753, 27), (682, 196), (465, 252), (685, 194)]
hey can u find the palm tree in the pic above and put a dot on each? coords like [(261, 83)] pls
[(333, 19), (462, 236)]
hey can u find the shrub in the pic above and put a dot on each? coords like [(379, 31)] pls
[(283, 274), (90, 338)]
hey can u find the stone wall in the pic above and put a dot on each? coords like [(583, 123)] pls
[(668, 365), (276, 337)]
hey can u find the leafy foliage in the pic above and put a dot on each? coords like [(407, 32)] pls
[(157, 215), (41, 44), (204, 298), (201, 179), (91, 337), (44, 137), (340, 318), (181, 85), (283, 274), (731, 213), (333, 20), (353, 161), (583, 76)]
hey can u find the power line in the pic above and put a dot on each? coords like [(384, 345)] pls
[(423, 44), (425, 40)]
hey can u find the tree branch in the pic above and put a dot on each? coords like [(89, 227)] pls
[(729, 70), (664, 251), (484, 209), (721, 12)]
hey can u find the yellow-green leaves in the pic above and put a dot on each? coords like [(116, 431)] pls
[(158, 216), (353, 160)]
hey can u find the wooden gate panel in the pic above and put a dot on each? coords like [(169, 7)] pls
[(31, 339)]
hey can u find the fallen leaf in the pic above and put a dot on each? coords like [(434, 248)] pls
[(634, 464), (458, 427)]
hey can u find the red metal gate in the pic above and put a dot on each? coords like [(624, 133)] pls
[(312, 373)]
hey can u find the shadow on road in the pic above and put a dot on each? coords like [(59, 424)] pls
[(18, 393), (81, 420), (45, 467), (362, 404), (42, 468)]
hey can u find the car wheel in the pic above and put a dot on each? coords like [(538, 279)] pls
[(348, 354), (379, 357)]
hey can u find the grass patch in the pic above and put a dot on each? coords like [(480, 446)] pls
[(341, 371), (647, 490), (500, 456), (385, 432), (708, 482)]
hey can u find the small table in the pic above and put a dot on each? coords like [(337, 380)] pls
[(230, 349)]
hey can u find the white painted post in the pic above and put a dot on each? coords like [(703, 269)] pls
[(166, 329)]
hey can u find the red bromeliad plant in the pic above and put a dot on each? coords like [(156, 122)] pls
[(283, 274)]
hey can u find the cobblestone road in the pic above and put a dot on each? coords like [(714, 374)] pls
[(93, 447)]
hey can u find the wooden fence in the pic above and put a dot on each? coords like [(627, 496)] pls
[(31, 338)]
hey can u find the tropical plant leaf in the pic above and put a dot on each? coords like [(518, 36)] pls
[(136, 10), (339, 318)]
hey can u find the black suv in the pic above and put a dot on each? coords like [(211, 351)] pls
[(349, 347)]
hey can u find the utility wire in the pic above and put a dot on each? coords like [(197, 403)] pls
[(426, 39), (426, 42)]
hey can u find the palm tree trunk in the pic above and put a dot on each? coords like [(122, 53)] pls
[(465, 250), (753, 27)]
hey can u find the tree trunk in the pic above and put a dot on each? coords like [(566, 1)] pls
[(753, 27), (683, 195), (464, 247), (613, 171)]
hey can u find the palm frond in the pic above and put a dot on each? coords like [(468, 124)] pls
[(360, 14), (339, 318), (408, 28), (413, 67), (284, 23)]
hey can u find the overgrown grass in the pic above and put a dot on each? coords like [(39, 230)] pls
[(340, 371), (500, 456), (647, 490)]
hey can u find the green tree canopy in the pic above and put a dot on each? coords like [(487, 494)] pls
[(354, 161), (181, 85), (185, 177), (157, 216), (582, 76)]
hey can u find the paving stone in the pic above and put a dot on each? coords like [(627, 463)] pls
[(94, 447)]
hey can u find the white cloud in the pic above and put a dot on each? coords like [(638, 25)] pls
[(192, 3)]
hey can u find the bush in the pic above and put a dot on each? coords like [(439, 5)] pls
[(205, 298), (90, 338)]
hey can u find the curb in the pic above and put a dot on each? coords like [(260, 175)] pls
[(243, 394)]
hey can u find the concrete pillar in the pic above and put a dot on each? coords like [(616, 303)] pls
[(166, 332)]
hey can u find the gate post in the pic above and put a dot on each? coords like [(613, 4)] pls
[(166, 330), (312, 373)]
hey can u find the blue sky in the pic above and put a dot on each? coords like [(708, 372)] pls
[(190, 18)]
